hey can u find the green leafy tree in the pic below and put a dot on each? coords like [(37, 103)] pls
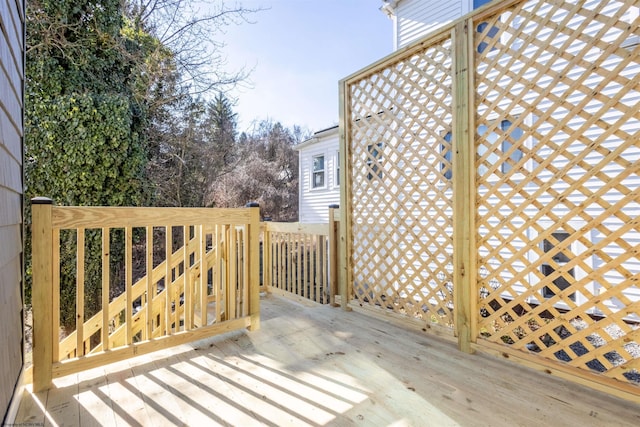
[(83, 124)]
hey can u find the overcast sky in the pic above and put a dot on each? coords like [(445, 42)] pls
[(299, 50)]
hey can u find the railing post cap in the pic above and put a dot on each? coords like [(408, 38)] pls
[(41, 201), (252, 205), (334, 206)]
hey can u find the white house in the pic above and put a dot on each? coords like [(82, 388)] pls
[(413, 19), (319, 172), (319, 160)]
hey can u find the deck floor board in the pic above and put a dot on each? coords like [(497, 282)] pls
[(316, 366)]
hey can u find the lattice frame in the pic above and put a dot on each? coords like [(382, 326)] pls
[(400, 125), (558, 188)]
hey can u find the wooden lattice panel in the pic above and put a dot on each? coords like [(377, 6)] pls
[(557, 90), (401, 191)]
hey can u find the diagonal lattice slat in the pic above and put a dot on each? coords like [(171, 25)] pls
[(558, 182), (400, 148)]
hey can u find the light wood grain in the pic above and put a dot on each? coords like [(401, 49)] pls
[(464, 191), (98, 217), (42, 300), (533, 109), (315, 365)]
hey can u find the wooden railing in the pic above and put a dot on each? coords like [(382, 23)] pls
[(302, 259), (198, 275)]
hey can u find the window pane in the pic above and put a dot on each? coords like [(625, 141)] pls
[(318, 179), (318, 163)]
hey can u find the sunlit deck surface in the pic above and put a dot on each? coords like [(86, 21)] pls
[(317, 365)]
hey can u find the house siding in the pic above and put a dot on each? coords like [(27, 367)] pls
[(11, 133), (416, 18), (314, 202)]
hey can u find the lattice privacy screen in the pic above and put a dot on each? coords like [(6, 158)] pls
[(401, 186), (558, 185), (556, 131)]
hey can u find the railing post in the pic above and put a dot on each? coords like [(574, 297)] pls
[(464, 247), (267, 255), (254, 265), (346, 270), (333, 255), (42, 294)]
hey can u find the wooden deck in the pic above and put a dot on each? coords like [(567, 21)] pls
[(317, 365)]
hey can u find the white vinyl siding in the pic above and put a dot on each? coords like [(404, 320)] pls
[(314, 202), (416, 18)]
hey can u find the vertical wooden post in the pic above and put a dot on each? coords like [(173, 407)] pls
[(346, 271), (333, 255), (232, 286), (253, 233), (106, 251), (80, 278), (128, 262), (204, 276), (246, 277), (188, 285), (464, 247), (266, 257), (42, 300), (168, 251), (148, 308)]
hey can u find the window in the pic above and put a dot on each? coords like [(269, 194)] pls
[(478, 3), (374, 160), (514, 135), (337, 169), (317, 175)]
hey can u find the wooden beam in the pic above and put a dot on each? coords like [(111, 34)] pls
[(333, 255), (345, 196), (168, 285), (42, 300), (253, 232), (105, 288), (297, 228), (117, 354), (204, 274), (464, 248), (148, 308), (80, 339), (98, 217), (128, 312)]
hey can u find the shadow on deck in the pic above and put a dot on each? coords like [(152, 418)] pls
[(316, 365)]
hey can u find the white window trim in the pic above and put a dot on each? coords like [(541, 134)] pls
[(312, 172), (336, 170)]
